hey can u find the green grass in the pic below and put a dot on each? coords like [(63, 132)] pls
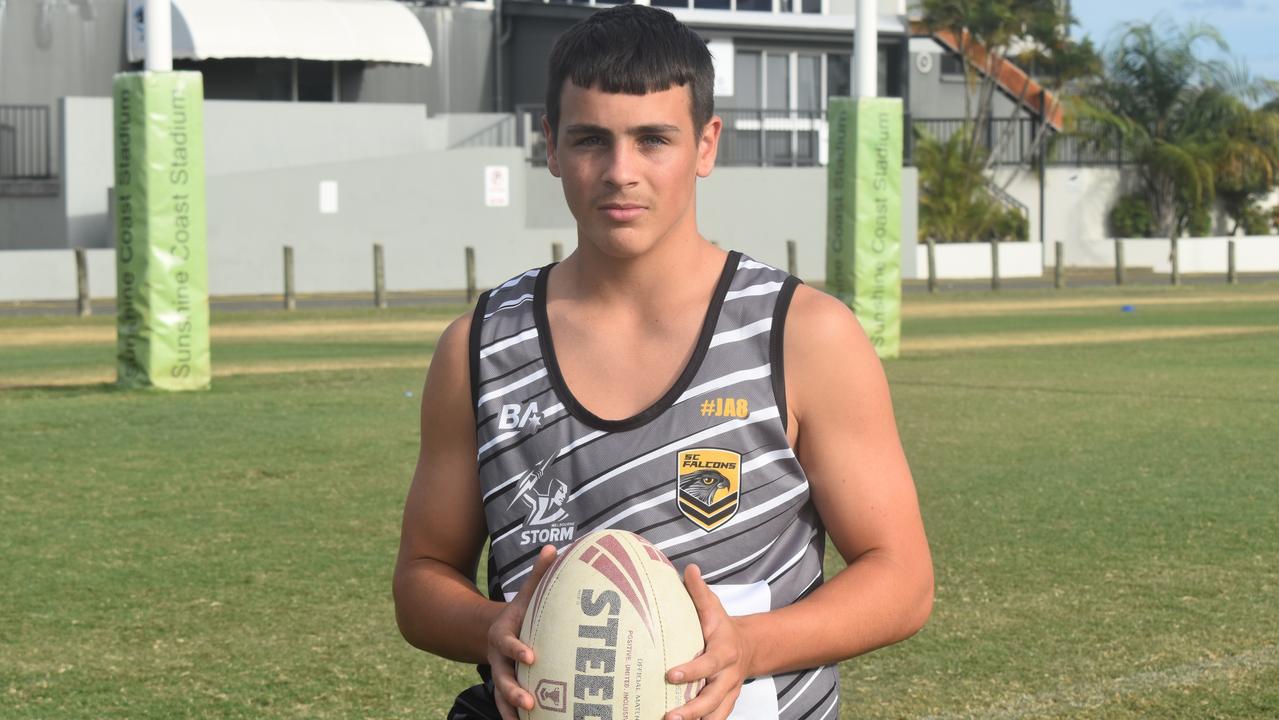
[(1104, 520)]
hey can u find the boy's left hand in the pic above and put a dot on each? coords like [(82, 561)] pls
[(723, 665)]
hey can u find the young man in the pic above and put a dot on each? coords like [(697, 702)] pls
[(602, 391)]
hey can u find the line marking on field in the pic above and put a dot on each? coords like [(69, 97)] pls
[(224, 370), (1077, 337), (106, 334), (1020, 306), (1107, 691)]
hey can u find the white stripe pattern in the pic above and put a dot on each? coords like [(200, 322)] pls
[(754, 290), (501, 345), (767, 459), (563, 451), (515, 280), (531, 377), (833, 702), (724, 381), (740, 517), (710, 432), (746, 331), (526, 297), (753, 265), (789, 564), (800, 692), (743, 561)]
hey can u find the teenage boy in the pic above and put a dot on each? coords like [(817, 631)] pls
[(655, 383)]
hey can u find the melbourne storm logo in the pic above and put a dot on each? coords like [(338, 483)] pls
[(547, 519), (708, 486)]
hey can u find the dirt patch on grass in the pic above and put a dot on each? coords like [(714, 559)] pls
[(345, 329), (67, 378), (1078, 337), (1016, 306)]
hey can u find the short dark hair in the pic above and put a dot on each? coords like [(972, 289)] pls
[(632, 49)]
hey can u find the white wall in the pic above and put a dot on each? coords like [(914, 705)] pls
[(1197, 255), (960, 261)]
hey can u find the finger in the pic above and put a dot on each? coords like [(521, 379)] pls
[(726, 707), (701, 667), (506, 689), (710, 697), (512, 647), (703, 597)]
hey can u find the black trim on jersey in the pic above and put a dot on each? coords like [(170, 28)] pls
[(477, 322), (575, 408), (777, 360)]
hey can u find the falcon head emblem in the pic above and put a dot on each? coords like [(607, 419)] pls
[(703, 485)]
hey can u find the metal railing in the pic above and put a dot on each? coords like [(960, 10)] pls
[(1014, 141), (26, 147), (799, 138), (500, 133)]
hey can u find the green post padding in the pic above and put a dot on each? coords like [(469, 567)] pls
[(161, 260), (864, 215)]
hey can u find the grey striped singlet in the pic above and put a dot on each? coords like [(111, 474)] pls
[(706, 474)]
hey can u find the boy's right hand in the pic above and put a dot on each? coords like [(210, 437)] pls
[(505, 648)]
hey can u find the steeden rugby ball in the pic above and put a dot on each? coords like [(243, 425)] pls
[(606, 622)]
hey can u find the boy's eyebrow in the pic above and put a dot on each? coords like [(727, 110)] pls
[(653, 129)]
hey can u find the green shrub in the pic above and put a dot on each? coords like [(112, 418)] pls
[(1255, 221), (1199, 222), (1012, 225), (1131, 217)]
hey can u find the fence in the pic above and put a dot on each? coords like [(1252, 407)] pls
[(35, 275), (25, 144), (1013, 141)]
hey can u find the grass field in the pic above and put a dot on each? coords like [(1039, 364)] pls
[(1101, 491)]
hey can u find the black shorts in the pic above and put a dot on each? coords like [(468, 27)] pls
[(475, 703)]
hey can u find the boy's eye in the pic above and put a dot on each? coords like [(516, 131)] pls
[(589, 140), (653, 140)]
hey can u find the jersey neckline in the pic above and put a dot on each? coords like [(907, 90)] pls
[(579, 411)]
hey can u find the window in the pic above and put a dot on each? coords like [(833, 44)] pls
[(952, 65), (712, 4), (838, 75)]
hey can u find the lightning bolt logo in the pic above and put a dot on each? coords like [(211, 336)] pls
[(530, 479)]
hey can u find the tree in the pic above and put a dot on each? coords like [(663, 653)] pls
[(954, 202), (990, 36), (1181, 117)]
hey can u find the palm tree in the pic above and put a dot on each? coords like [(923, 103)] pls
[(1178, 115)]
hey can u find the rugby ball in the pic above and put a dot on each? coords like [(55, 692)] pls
[(606, 622)]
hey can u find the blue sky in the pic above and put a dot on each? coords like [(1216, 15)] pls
[(1250, 27)]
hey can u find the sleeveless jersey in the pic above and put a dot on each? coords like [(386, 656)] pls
[(706, 474)]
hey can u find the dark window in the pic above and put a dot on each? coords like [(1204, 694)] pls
[(952, 65), (838, 83), (669, 3), (712, 4), (811, 6), (315, 81), (755, 5)]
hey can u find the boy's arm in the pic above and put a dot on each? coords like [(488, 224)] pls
[(859, 481), (437, 605)]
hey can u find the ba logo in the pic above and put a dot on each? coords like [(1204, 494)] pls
[(517, 417), (708, 486)]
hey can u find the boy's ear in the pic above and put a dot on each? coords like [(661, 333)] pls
[(552, 162), (708, 145)]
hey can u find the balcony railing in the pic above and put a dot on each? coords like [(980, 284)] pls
[(799, 138), (25, 143)]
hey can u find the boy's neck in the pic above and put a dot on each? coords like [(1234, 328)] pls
[(652, 279)]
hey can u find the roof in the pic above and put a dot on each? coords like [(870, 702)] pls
[(369, 30)]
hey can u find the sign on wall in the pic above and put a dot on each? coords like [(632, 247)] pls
[(497, 186)]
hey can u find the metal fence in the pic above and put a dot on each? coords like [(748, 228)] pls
[(798, 138), (1014, 141), (25, 143)]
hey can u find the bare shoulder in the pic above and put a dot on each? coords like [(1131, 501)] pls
[(828, 356)]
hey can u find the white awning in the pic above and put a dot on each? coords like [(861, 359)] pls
[(369, 30)]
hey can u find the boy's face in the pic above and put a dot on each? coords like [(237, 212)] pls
[(629, 165)]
